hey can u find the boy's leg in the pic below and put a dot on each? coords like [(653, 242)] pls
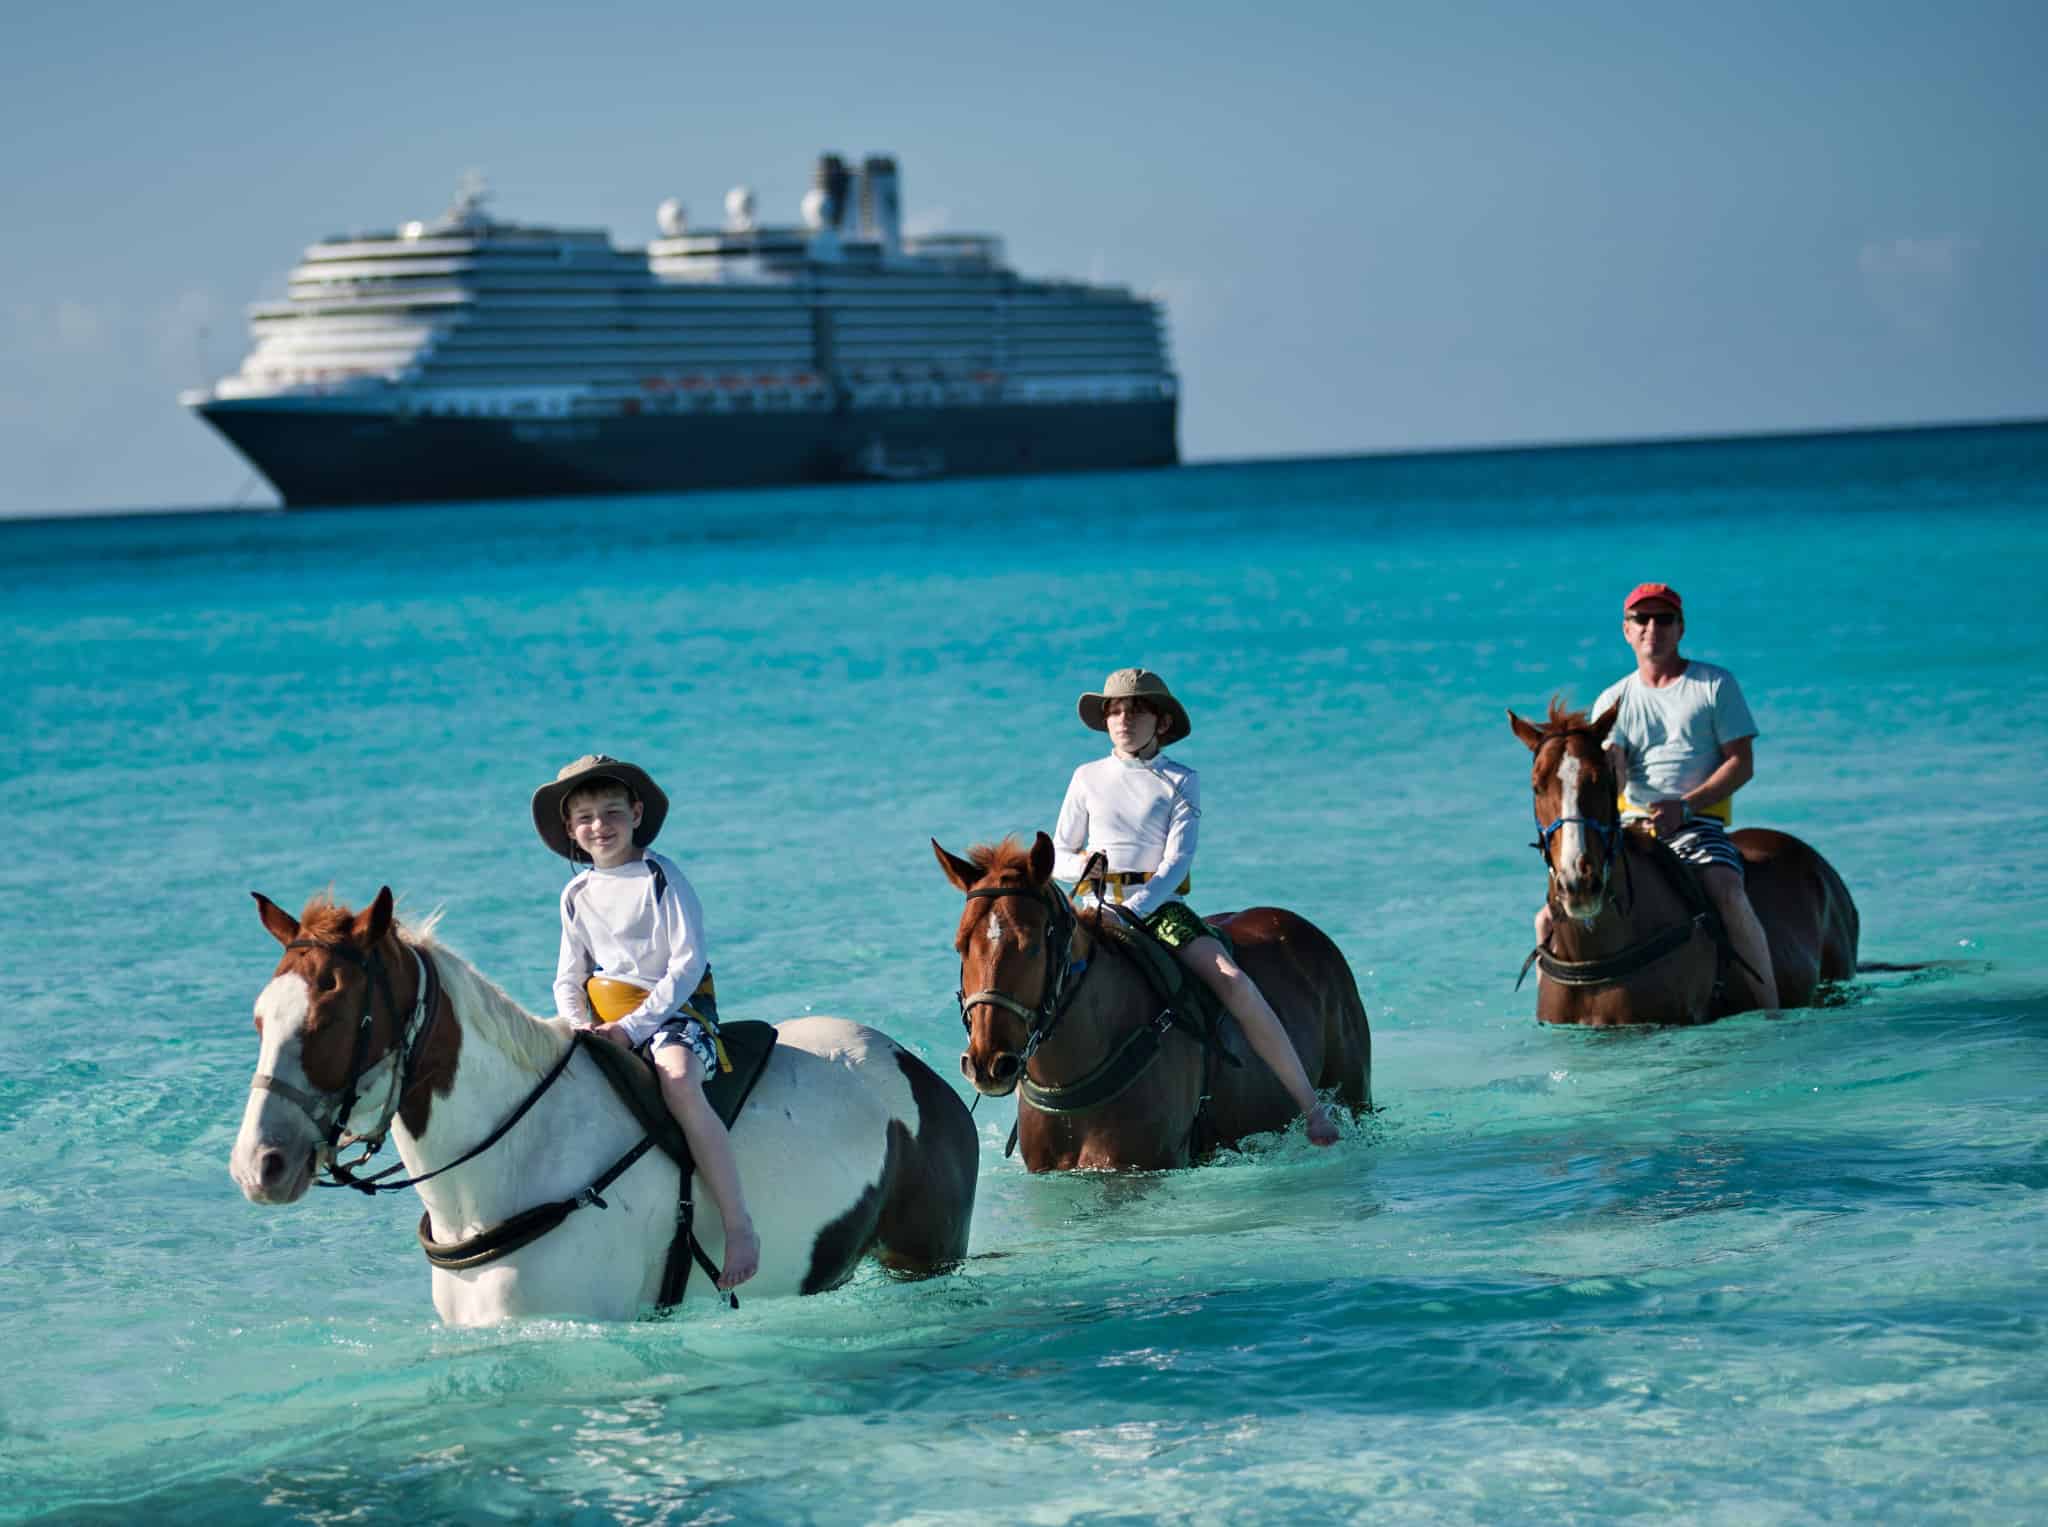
[(682, 1088), (1262, 1027)]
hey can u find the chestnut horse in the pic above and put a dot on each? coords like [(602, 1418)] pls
[(1633, 938), (850, 1146), (1059, 1013)]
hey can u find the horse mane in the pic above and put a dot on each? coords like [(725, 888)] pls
[(1562, 720), (486, 1009), (1009, 858)]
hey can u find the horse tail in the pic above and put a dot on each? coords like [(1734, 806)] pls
[(1347, 1040), (1838, 957)]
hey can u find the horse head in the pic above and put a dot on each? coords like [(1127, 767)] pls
[(1017, 948), (329, 1017), (1577, 793)]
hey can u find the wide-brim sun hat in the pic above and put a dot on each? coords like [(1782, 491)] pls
[(594, 768), (1136, 684)]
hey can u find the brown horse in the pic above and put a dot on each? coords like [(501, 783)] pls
[(1061, 1014), (1633, 938)]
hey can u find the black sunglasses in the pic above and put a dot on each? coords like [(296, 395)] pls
[(1656, 618)]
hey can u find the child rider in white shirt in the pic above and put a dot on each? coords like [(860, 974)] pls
[(1140, 808), (630, 917)]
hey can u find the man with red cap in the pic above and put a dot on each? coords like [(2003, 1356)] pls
[(1683, 742)]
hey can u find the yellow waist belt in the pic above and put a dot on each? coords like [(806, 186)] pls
[(1114, 884), (611, 1000), (1723, 809)]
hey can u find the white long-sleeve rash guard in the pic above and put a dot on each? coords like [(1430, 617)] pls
[(640, 922), (1143, 813)]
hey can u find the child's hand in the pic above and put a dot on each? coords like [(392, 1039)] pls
[(1322, 1130), (611, 1033)]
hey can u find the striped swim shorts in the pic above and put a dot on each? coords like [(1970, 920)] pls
[(1704, 841)]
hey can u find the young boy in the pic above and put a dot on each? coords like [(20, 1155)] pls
[(631, 917), (1141, 809)]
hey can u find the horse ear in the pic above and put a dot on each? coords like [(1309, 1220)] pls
[(1529, 733), (282, 925), (1605, 723), (374, 921), (1041, 859), (962, 872)]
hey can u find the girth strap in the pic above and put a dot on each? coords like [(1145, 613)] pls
[(1611, 969), (529, 1225)]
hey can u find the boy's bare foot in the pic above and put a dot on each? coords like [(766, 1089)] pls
[(742, 1256), (1322, 1130)]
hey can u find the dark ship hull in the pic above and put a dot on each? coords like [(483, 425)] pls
[(327, 456)]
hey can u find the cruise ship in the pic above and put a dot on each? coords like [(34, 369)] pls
[(468, 358)]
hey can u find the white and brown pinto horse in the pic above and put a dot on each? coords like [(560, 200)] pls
[(1632, 937), (1055, 1011), (849, 1146)]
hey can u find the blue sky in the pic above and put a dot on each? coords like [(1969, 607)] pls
[(1377, 226)]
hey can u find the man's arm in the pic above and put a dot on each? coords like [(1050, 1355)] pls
[(1737, 767)]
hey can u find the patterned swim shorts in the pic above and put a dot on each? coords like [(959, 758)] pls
[(1176, 925), (686, 1028)]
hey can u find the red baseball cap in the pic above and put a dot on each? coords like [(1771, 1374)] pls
[(1663, 591)]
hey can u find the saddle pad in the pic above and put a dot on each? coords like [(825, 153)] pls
[(747, 1044)]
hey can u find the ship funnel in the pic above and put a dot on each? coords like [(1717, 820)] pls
[(881, 204), (832, 179)]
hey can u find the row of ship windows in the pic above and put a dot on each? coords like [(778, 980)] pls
[(811, 400)]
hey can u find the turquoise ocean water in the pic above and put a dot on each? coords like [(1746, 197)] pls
[(1758, 1272)]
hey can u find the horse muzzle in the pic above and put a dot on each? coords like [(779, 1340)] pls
[(1582, 898), (997, 1078), (272, 1171)]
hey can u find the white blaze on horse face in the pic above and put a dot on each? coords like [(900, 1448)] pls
[(994, 930), (1570, 846), (271, 1121)]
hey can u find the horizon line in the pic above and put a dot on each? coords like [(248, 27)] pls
[(1392, 453)]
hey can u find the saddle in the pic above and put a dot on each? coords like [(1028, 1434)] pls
[(633, 1079), (1195, 1008)]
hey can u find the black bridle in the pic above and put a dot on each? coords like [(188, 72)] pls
[(1061, 972)]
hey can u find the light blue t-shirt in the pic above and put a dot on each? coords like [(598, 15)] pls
[(1673, 736)]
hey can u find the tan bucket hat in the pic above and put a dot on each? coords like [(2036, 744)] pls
[(590, 769), (1136, 684)]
